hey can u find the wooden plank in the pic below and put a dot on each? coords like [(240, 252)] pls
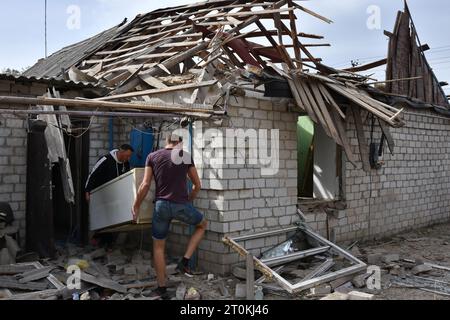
[(302, 47), (125, 68), (330, 99), (368, 66), (172, 61), (323, 109), (403, 56), (315, 107), (318, 16), (362, 142), (141, 57), (250, 277), (39, 295), (179, 44), (352, 97), (152, 81), (158, 91), (131, 76), (414, 66), (257, 34), (250, 13), (266, 271), (114, 81), (181, 56), (103, 282), (387, 133), (283, 55), (161, 107), (306, 103), (11, 283), (14, 269), (340, 126), (293, 35), (200, 94), (294, 90), (36, 274)]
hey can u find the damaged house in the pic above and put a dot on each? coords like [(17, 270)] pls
[(353, 157)]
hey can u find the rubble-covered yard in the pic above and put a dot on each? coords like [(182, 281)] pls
[(414, 266), (418, 259), (422, 253)]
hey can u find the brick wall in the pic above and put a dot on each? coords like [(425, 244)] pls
[(236, 198), (13, 152), (13, 138), (410, 191)]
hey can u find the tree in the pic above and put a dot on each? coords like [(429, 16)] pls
[(13, 72)]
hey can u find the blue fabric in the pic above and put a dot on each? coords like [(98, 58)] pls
[(142, 143), (166, 211)]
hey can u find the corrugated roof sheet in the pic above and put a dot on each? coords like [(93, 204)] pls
[(49, 80)]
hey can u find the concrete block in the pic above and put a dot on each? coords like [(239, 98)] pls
[(336, 296), (360, 281), (421, 269), (374, 259), (236, 205), (240, 290), (321, 290), (345, 288), (389, 258), (356, 295)]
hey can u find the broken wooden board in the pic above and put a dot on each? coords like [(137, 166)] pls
[(11, 283), (103, 282), (14, 269), (39, 295), (362, 142), (159, 91), (36, 274)]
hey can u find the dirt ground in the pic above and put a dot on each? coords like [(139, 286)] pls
[(430, 245), (408, 251)]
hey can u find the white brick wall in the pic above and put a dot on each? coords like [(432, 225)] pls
[(412, 188), (251, 202), (13, 149)]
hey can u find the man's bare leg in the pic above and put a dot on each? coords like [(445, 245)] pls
[(159, 261), (196, 238)]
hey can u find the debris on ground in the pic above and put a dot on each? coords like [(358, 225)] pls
[(408, 269)]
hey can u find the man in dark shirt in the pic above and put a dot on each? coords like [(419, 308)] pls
[(107, 168), (170, 167)]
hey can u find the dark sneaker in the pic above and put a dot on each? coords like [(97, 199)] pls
[(159, 294), (181, 268)]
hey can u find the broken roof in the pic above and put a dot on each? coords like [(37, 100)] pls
[(60, 83), (406, 60), (226, 44)]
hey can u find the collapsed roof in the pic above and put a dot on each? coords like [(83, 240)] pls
[(406, 60), (225, 45)]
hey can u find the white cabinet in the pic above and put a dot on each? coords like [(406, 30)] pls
[(110, 204)]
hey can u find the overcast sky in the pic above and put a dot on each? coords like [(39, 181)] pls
[(22, 27)]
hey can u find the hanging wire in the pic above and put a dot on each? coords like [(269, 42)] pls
[(45, 28)]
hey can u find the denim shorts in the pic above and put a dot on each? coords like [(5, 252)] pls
[(165, 211)]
